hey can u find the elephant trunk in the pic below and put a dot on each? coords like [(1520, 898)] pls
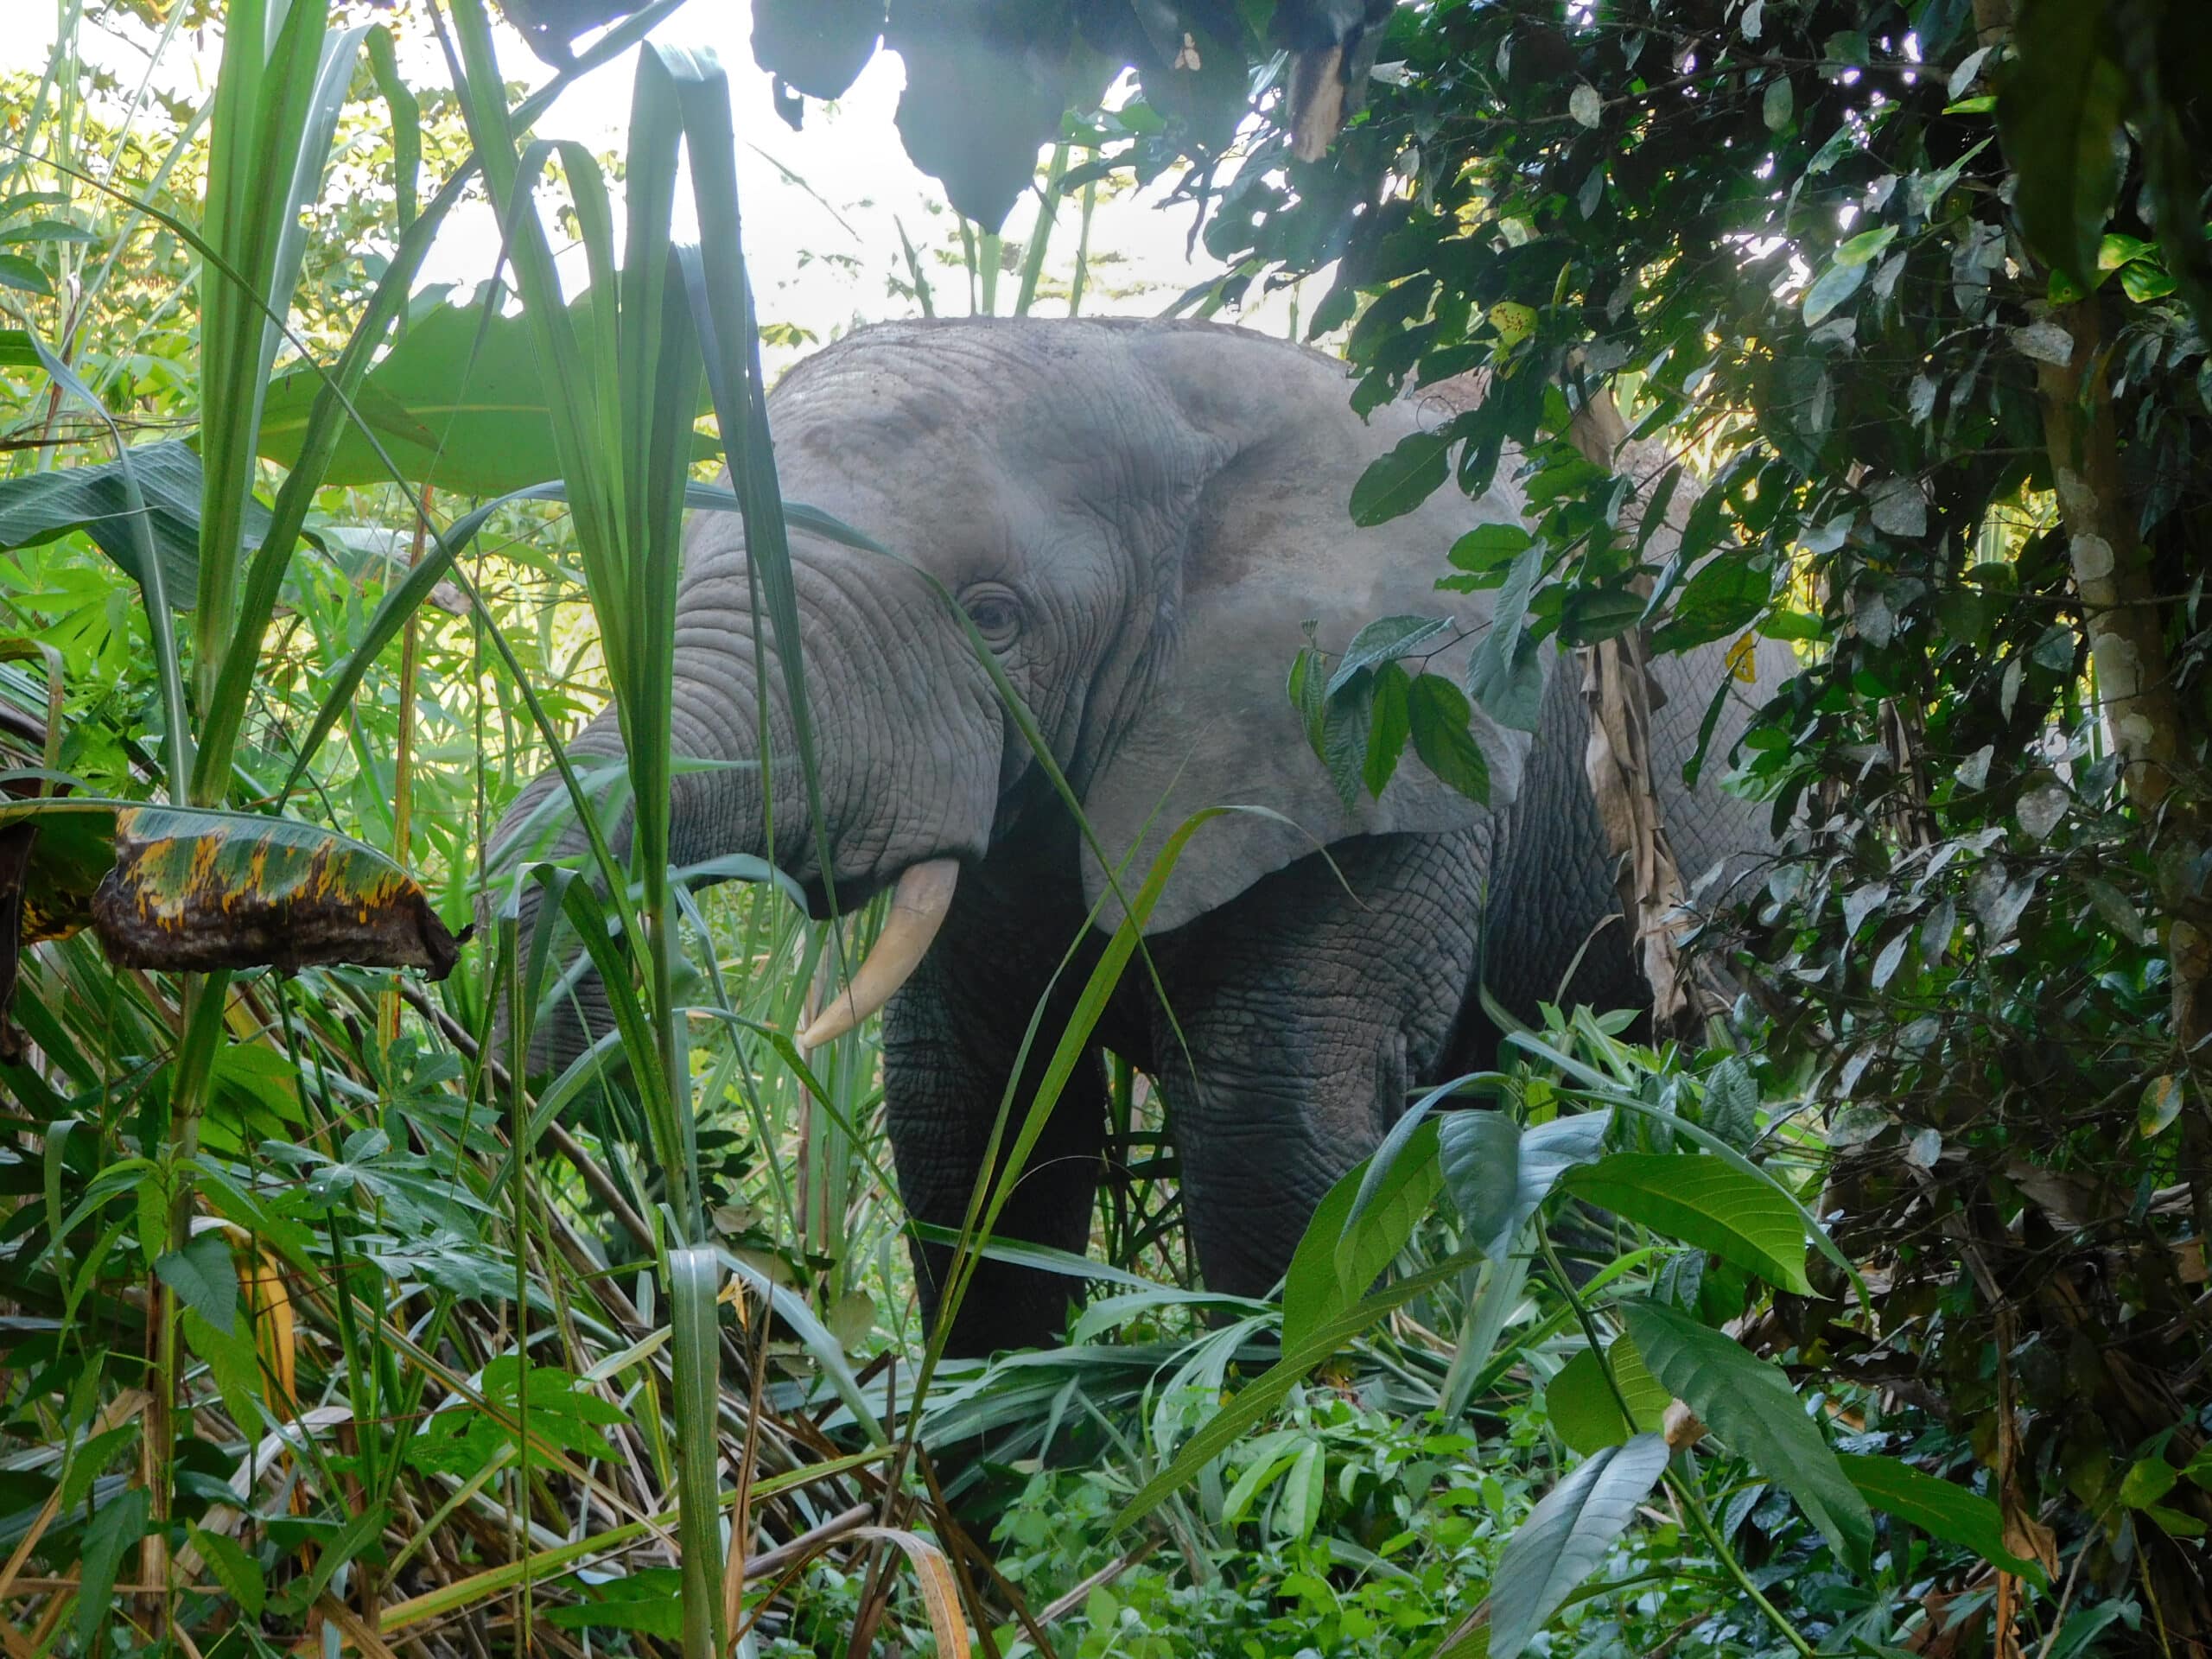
[(908, 740)]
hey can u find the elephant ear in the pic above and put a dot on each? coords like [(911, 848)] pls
[(1270, 547)]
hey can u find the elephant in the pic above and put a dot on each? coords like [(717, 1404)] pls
[(1140, 521)]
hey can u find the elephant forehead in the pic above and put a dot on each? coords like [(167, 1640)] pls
[(1038, 405)]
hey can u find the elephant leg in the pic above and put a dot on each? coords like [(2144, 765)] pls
[(950, 1044), (1308, 1013)]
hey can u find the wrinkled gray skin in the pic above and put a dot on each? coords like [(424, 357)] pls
[(1140, 516)]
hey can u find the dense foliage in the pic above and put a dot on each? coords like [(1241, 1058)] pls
[(1865, 1315)]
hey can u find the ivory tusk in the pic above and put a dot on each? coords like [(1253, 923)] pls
[(917, 907)]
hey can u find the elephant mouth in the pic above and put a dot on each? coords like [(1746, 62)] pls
[(918, 905)]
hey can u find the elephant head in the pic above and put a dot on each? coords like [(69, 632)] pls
[(1139, 521)]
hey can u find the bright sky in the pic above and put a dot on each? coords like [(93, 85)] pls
[(822, 207)]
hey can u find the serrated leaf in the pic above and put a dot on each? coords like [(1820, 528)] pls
[(1438, 715), (1567, 1537), (115, 1526), (1938, 1508), (1584, 106), (236, 1571), (1751, 1407), (1498, 1174), (1732, 1103), (1345, 732), (204, 1279), (1581, 1406), (1396, 483)]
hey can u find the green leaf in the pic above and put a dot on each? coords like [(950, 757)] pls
[(1732, 1102), (650, 1601), (1582, 1407), (1338, 1257), (2059, 109), (1437, 711), (1705, 1202), (44, 506), (2161, 1105), (1865, 247), (2144, 283), (204, 1279), (1777, 105), (1385, 640), (1265, 1392), (1831, 289), (233, 1362), (116, 1525), (1396, 483), (1939, 1507), (458, 402), (1499, 1174), (1567, 1537), (1388, 726), (1345, 734), (819, 47), (1485, 547), (1751, 1405), (1504, 672), (235, 1570), (20, 274)]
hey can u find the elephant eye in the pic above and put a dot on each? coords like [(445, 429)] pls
[(995, 611)]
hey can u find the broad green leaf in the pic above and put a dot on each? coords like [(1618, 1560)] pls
[(1777, 103), (1499, 1174), (2059, 107), (1437, 711), (205, 1278), (650, 1601), (1485, 547), (2161, 1105), (1335, 1264), (1751, 1407), (1385, 640), (1705, 1202), (20, 274), (235, 1570), (1567, 1537), (198, 889), (1581, 1405), (1732, 1099), (1940, 1508), (1504, 673), (458, 402), (1389, 724), (1831, 289), (42, 506), (1864, 248), (1302, 1488), (1396, 483), (116, 1525)]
